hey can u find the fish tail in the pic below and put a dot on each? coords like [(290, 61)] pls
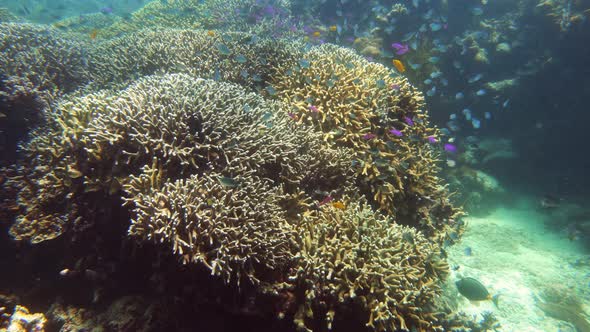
[(495, 300)]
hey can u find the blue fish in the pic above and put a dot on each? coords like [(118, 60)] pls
[(475, 78), (435, 74), (459, 95), (428, 81), (431, 92), (468, 251), (481, 92), (433, 59), (475, 123), (505, 103), (488, 115), (434, 26), (453, 116)]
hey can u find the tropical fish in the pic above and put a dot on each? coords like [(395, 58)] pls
[(473, 290), (434, 26), (333, 28), (223, 49), (396, 132), (468, 251), (431, 92), (368, 136), (505, 103), (428, 81), (316, 34), (399, 66), (474, 78), (228, 182), (481, 92), (313, 108), (450, 147), (326, 200), (435, 74), (432, 139), (459, 95), (476, 123), (408, 120), (211, 33), (433, 59), (339, 205), (93, 34), (487, 115), (401, 49), (241, 59)]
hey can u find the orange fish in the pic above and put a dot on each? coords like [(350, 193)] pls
[(211, 33), (317, 34), (339, 205), (399, 65), (93, 34)]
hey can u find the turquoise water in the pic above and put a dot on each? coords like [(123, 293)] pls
[(275, 165)]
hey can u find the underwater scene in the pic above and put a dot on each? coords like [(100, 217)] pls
[(294, 165)]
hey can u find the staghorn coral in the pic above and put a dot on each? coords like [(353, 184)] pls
[(366, 107), (356, 258), (39, 64), (98, 144), (235, 57)]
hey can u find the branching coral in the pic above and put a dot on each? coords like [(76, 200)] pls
[(354, 257), (366, 107)]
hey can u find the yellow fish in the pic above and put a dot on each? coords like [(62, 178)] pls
[(317, 34), (211, 33), (333, 28), (339, 205), (399, 66), (93, 34)]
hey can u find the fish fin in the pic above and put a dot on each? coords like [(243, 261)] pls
[(495, 299)]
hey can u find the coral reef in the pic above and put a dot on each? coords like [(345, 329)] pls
[(366, 107), (22, 320), (355, 258), (275, 182)]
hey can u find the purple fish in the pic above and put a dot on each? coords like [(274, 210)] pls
[(450, 148), (395, 87), (313, 108), (409, 121), (106, 10), (396, 132), (369, 136), (401, 48), (432, 140)]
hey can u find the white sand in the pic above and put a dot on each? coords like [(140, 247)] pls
[(514, 255)]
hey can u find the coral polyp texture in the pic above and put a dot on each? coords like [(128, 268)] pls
[(309, 175), (368, 108), (355, 258)]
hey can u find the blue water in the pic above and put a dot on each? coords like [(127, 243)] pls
[(504, 87)]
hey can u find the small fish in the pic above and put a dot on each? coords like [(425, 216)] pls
[(408, 120), (431, 92), (450, 148), (316, 34), (476, 123), (481, 92), (433, 59), (223, 49), (241, 59), (271, 91), (477, 11), (326, 200), (396, 132), (339, 205), (304, 63), (399, 66), (428, 81), (505, 103), (451, 163), (401, 49), (93, 34), (380, 84), (333, 28), (106, 10), (459, 96), (487, 115), (313, 108), (432, 140), (453, 116), (549, 202), (473, 290), (228, 182), (395, 87), (468, 251), (474, 78), (210, 33), (435, 74), (434, 26), (368, 136)]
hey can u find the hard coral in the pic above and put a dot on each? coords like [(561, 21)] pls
[(355, 258), (366, 107)]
